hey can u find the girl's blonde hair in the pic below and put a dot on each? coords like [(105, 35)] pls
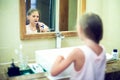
[(30, 11), (92, 26)]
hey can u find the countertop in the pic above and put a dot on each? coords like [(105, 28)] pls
[(111, 67)]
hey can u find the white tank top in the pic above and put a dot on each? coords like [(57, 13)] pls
[(93, 68)]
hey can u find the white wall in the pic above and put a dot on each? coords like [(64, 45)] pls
[(109, 11)]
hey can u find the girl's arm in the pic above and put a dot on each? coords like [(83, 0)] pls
[(61, 63)]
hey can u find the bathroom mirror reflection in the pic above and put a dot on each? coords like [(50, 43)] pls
[(40, 15), (68, 13)]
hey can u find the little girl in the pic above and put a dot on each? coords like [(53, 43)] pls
[(89, 60), (34, 26)]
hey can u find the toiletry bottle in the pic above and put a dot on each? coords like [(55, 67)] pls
[(42, 26), (23, 59), (13, 70), (115, 54)]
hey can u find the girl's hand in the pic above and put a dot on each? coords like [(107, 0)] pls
[(43, 27), (60, 58)]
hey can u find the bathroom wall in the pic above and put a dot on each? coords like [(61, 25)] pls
[(10, 36), (72, 15), (110, 13), (111, 19)]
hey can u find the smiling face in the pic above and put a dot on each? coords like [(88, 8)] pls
[(33, 17)]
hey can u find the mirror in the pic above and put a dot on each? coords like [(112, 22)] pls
[(40, 16), (68, 13)]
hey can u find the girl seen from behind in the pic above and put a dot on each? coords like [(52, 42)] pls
[(89, 59)]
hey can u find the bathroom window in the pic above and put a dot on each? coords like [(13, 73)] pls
[(33, 3)]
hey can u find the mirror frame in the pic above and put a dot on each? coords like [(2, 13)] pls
[(23, 36)]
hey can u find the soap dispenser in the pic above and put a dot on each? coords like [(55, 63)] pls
[(13, 70)]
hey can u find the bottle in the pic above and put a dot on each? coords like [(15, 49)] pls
[(42, 26), (23, 59), (115, 54), (13, 70)]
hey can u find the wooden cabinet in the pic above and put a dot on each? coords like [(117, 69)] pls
[(37, 76), (29, 77)]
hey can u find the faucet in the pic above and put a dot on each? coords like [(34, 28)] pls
[(59, 38)]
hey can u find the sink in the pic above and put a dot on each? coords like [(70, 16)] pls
[(46, 58)]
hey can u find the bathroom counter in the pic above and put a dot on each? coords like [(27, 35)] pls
[(112, 68)]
